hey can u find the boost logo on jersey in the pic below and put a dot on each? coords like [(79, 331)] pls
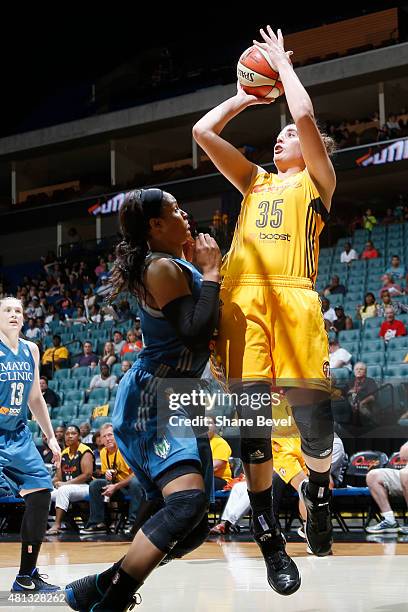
[(271, 236)]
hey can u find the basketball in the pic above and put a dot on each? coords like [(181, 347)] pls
[(257, 76)]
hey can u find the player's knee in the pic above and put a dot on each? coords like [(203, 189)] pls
[(181, 513), (315, 424), (256, 450)]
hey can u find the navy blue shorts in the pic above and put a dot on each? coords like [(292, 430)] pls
[(148, 448), (21, 465)]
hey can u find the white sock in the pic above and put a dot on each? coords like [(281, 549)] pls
[(389, 517)]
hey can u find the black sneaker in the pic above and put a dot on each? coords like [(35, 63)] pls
[(283, 574), (83, 593), (319, 530), (99, 528), (33, 584)]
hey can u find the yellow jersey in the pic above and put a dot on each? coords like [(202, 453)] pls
[(277, 232)]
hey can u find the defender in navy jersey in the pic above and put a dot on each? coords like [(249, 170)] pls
[(179, 313), (22, 471)]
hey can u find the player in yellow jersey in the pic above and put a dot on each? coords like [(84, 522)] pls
[(272, 328)]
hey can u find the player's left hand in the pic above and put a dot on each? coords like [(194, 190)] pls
[(56, 451), (274, 46)]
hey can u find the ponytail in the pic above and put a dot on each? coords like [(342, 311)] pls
[(138, 208)]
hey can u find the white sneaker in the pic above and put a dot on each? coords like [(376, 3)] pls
[(384, 527)]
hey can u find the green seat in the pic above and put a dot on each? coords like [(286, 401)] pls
[(370, 333), (375, 371), (372, 345), (397, 371), (373, 358), (351, 347), (68, 412), (99, 421), (399, 342), (57, 422), (53, 384), (395, 356), (340, 375), (33, 427), (116, 369), (130, 356), (349, 335), (75, 395), (61, 374), (101, 395), (373, 323), (79, 422), (68, 384), (80, 372), (113, 393), (85, 411)]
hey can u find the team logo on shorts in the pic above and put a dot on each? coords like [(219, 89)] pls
[(282, 471), (162, 448), (326, 369)]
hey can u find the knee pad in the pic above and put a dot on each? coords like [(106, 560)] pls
[(34, 523), (181, 513), (254, 407), (315, 424), (193, 540)]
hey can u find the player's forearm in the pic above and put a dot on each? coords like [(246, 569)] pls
[(298, 99), (217, 118), (39, 409)]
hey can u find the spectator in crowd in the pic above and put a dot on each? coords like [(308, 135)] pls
[(85, 432), (390, 286), (87, 357), (97, 445), (60, 436), (54, 358), (95, 315), (32, 332), (370, 252), (334, 287), (339, 357), (79, 317), (360, 393), (386, 482), (329, 314), (118, 341), (132, 344), (368, 309), (396, 269), (72, 477), (51, 315), (221, 453), (339, 324), (44, 450), (389, 218), (398, 307), (124, 312), (349, 323), (51, 398), (103, 380), (42, 326), (101, 268), (117, 482), (369, 220), (348, 255), (125, 366), (393, 127), (109, 357), (391, 327)]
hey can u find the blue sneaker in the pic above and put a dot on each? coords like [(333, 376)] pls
[(83, 593), (33, 584)]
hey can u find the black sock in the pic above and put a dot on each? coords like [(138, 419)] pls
[(120, 591), (105, 578), (318, 485), (262, 512), (29, 556)]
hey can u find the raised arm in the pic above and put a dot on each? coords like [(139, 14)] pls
[(314, 151), (229, 161)]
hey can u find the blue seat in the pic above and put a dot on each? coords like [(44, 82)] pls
[(68, 384), (370, 333), (351, 347), (33, 427), (96, 424), (341, 375), (373, 323), (398, 343), (372, 345), (397, 371), (396, 356), (374, 371), (75, 395), (349, 335), (99, 395), (130, 356), (372, 358), (61, 374)]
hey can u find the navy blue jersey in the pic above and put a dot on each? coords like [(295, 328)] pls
[(16, 379), (162, 345)]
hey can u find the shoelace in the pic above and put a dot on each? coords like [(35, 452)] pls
[(42, 577)]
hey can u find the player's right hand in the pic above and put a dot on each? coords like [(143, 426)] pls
[(207, 254), (56, 451)]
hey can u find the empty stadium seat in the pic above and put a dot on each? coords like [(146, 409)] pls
[(100, 394), (374, 371), (63, 373), (349, 335)]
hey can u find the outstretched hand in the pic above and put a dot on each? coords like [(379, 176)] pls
[(274, 46)]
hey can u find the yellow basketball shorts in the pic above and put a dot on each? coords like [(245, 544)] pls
[(287, 458), (272, 328)]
